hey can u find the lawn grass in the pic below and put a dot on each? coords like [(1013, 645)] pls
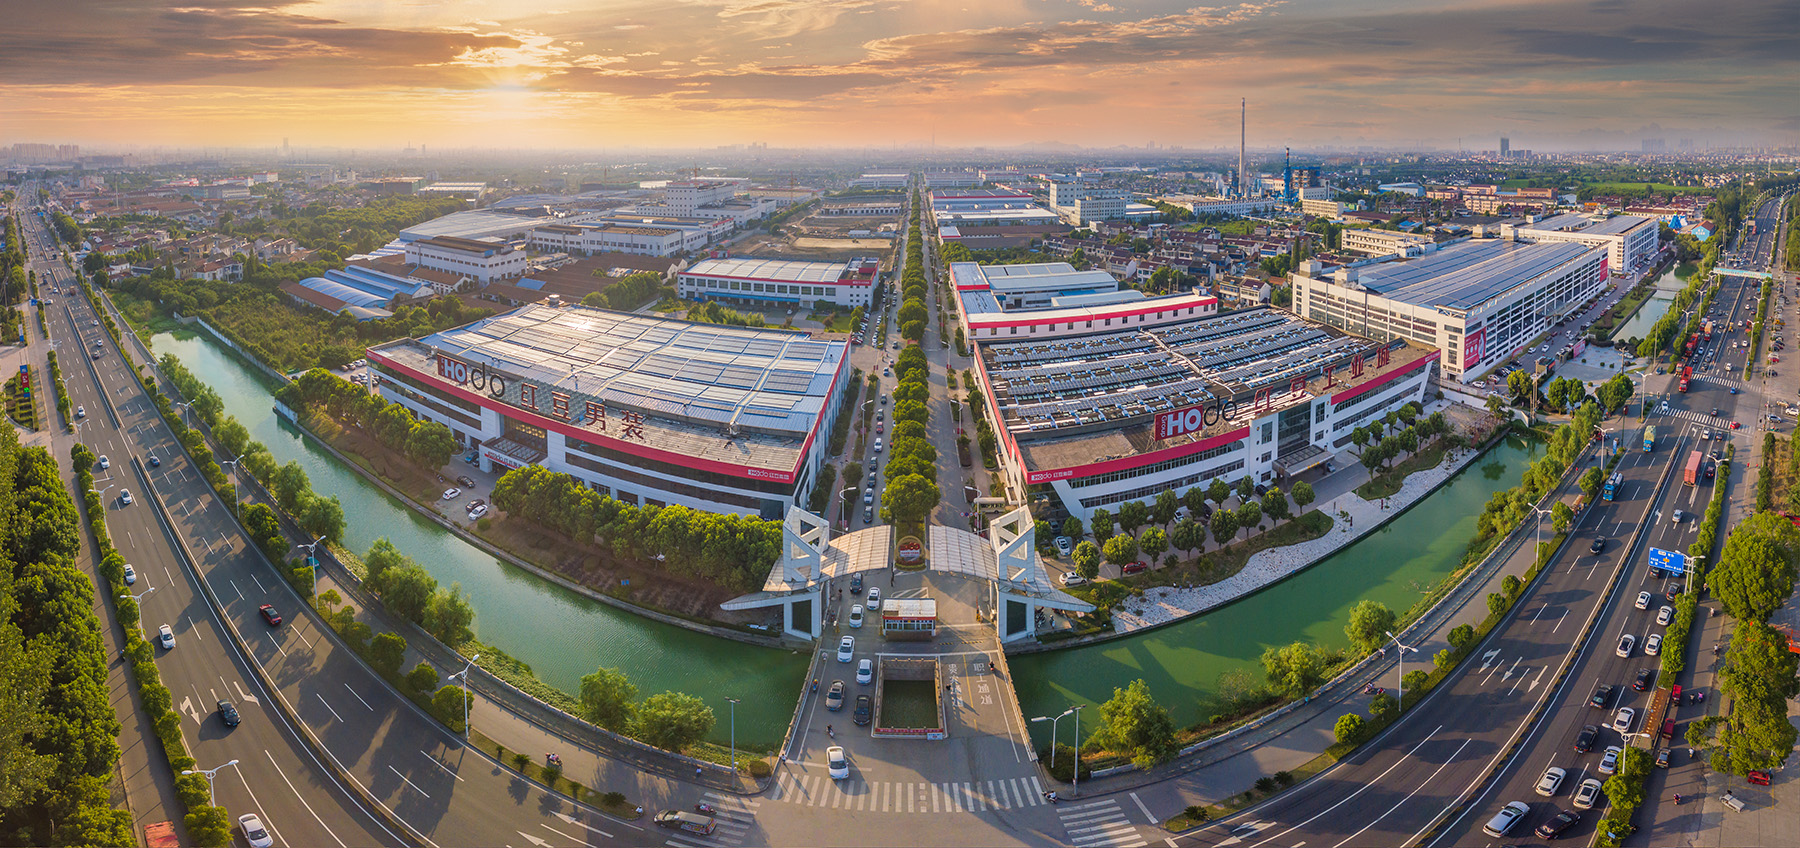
[(1389, 482)]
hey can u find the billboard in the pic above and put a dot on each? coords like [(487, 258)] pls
[(1667, 563), (1193, 419)]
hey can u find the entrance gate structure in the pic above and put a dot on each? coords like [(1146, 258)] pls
[(810, 559)]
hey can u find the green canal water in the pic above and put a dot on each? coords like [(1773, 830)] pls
[(1183, 662), (560, 634)]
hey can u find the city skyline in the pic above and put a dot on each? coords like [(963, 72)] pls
[(816, 73)]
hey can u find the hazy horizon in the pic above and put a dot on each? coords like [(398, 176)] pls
[(881, 74)]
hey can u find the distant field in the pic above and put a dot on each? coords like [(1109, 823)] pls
[(1659, 188), (808, 243)]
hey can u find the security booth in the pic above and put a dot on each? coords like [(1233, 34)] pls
[(909, 619)]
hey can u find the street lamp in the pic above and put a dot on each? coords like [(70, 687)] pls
[(464, 674), (235, 506), (138, 598), (734, 703), (312, 561), (1540, 530), (184, 407), (1076, 710), (1400, 670), (210, 773)]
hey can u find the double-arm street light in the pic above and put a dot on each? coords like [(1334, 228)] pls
[(1400, 669), (1076, 711), (211, 800), (464, 674)]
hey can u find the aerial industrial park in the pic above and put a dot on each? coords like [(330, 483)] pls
[(490, 426)]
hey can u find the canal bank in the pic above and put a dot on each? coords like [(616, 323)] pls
[(515, 610), (1193, 665)]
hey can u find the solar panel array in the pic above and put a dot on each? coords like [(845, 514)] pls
[(703, 373)]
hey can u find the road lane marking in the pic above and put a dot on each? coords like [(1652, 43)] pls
[(408, 782), (328, 707), (579, 823), (1427, 782), (1365, 786), (234, 588), (309, 809), (1140, 805), (259, 585), (358, 697)]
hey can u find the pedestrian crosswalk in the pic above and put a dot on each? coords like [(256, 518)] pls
[(883, 796), (732, 819), (1099, 824)]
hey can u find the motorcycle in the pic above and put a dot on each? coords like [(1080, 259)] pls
[(704, 808)]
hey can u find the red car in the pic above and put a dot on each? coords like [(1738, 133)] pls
[(1735, 425), (270, 615)]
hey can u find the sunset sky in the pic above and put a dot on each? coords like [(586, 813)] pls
[(856, 73)]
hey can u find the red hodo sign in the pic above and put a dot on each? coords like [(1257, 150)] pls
[(1192, 419)]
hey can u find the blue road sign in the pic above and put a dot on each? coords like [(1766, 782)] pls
[(1667, 562)]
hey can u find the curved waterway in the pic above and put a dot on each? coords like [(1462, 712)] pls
[(1183, 662), (1670, 282), (560, 634)]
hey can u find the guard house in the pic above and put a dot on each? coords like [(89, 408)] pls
[(909, 619)]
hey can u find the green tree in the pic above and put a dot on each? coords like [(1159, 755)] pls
[(1132, 515), (1461, 637), (1754, 576), (1121, 549), (1087, 559), (1293, 670), (324, 517), (1071, 527), (407, 591), (450, 616), (1303, 495), (910, 498), (608, 699), (1370, 622), (1383, 706), (290, 485), (382, 556), (431, 444), (1103, 525), (386, 652), (1349, 728), (1187, 535), (1249, 515), (423, 678), (1165, 507), (1224, 525), (673, 721), (1217, 491), (1246, 489), (1591, 481), (1497, 603), (232, 436), (1625, 788), (1275, 505), (1154, 542), (1561, 516), (449, 705), (1134, 724)]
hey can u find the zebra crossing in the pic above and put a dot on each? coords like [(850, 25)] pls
[(1099, 824), (884, 796), (732, 819), (1701, 418)]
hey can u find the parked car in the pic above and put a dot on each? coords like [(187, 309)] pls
[(865, 710), (466, 481), (1662, 758), (856, 583), (874, 598), (846, 649), (865, 672), (1070, 578), (452, 493), (1065, 546), (856, 615), (834, 697), (477, 511)]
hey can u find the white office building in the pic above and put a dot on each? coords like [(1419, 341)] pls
[(1630, 241), (1479, 302), (644, 240), (484, 261), (762, 283)]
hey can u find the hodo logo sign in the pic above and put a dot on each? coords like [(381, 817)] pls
[(464, 374), (1193, 419)]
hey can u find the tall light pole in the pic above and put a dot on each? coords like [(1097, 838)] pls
[(1076, 710), (1537, 551), (464, 674), (235, 505), (185, 408), (1400, 669), (734, 703), (211, 800), (312, 560)]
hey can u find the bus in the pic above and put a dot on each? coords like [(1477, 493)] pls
[(1649, 439), (1614, 484)]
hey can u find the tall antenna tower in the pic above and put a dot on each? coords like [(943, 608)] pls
[(1242, 180)]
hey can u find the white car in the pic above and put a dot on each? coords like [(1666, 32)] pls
[(1065, 545), (1609, 761), (1503, 821), (856, 615), (1551, 781), (1653, 645), (1623, 719), (865, 672), (837, 764), (452, 494), (130, 575), (1643, 600), (1663, 615), (874, 598), (477, 511), (124, 497), (80, 412), (1627, 644), (846, 649), (165, 636), (104, 462), (1070, 578), (1587, 793), (254, 832)]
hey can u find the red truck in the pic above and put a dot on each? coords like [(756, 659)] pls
[(1687, 373), (1691, 474)]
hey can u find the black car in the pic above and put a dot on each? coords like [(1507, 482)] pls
[(865, 709), (466, 481), (1555, 826), (1597, 546), (1601, 698), (1672, 589), (228, 714), (856, 583), (1645, 678), (1585, 742)]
